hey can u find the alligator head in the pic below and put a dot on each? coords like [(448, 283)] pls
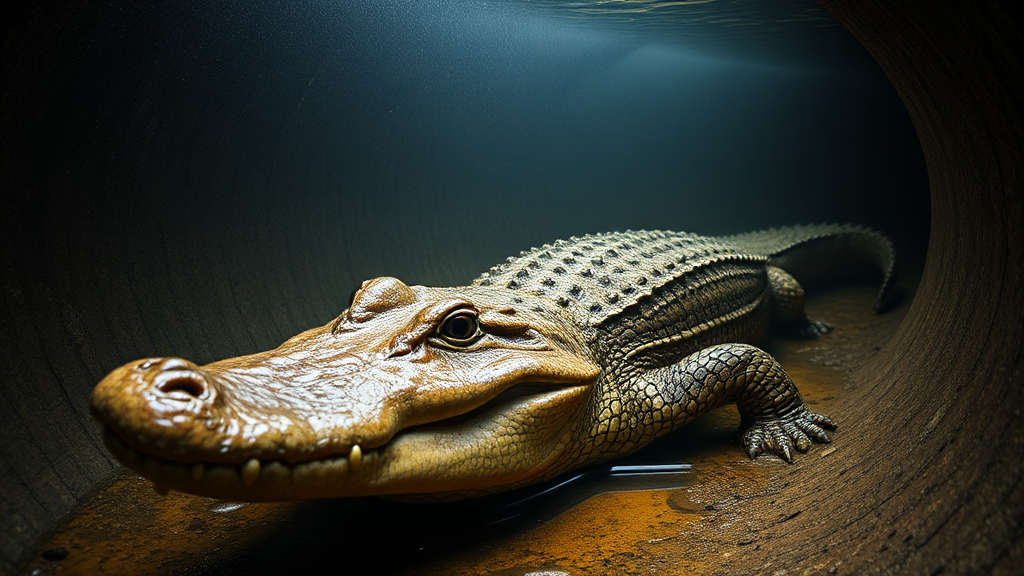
[(411, 390)]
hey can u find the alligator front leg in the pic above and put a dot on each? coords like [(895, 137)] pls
[(770, 405)]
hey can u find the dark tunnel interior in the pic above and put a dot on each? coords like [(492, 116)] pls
[(160, 196)]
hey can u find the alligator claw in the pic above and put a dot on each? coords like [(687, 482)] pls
[(779, 436), (786, 449)]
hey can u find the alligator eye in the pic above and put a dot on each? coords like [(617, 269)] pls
[(460, 327)]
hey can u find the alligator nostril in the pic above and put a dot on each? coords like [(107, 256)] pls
[(183, 384)]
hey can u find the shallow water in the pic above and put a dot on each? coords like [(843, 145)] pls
[(677, 506)]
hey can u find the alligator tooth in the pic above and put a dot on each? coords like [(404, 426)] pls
[(161, 490), (355, 457), (197, 471), (250, 471), (275, 472)]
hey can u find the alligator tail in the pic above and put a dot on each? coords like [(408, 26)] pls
[(818, 250)]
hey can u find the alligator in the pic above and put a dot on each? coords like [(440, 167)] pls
[(570, 354)]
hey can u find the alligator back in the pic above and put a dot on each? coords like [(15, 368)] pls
[(602, 275), (656, 296), (651, 297)]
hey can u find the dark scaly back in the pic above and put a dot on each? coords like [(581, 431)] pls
[(641, 290), (820, 249), (655, 296), (600, 275)]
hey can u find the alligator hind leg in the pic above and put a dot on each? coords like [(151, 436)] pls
[(788, 313), (774, 414)]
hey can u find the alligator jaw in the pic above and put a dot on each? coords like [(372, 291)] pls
[(410, 463), (252, 481)]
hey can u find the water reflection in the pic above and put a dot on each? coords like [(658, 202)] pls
[(578, 488), (657, 470), (222, 507)]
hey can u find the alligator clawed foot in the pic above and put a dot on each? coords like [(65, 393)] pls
[(780, 436)]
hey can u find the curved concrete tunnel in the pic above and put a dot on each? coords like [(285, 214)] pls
[(940, 404)]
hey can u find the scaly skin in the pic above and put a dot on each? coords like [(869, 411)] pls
[(569, 354)]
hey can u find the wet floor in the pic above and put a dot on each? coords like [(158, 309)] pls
[(676, 507)]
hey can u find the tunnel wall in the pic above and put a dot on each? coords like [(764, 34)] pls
[(933, 428), (933, 482)]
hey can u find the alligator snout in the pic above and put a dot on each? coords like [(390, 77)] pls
[(170, 390), (304, 401), (166, 401)]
